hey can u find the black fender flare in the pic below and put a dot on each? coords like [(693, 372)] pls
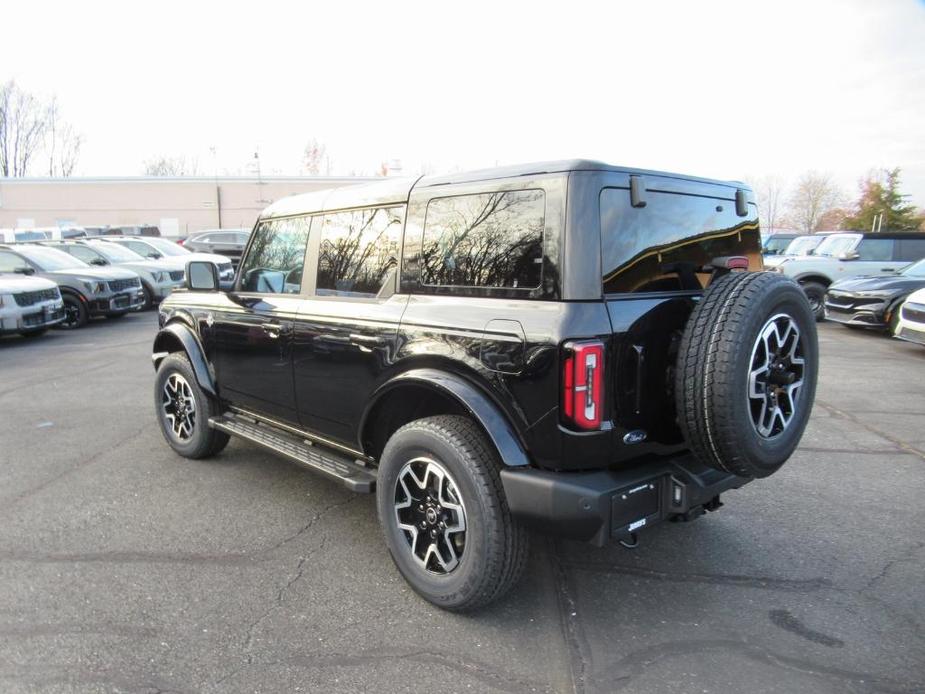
[(169, 336), (813, 277), (471, 398)]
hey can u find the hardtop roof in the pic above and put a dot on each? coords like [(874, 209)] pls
[(397, 190)]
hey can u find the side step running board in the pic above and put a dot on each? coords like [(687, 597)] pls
[(354, 474)]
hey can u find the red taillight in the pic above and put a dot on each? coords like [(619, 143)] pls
[(583, 384)]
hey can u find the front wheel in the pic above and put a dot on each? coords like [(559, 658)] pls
[(815, 292), (183, 410), (76, 314), (443, 512)]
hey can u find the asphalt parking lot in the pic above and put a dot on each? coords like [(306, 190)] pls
[(126, 568)]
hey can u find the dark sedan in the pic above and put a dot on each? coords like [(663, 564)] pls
[(873, 302)]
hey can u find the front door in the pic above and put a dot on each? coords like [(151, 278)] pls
[(253, 330), (346, 332)]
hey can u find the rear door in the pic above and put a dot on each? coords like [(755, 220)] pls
[(346, 331), (652, 257), (253, 332)]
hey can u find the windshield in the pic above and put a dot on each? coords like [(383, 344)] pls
[(775, 244), (917, 269), (167, 247), (49, 259), (802, 245), (837, 244), (115, 253)]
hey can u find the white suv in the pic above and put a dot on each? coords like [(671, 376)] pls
[(28, 305), (852, 254)]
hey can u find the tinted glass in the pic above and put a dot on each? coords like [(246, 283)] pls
[(910, 249), (274, 263), (359, 251), (875, 249), (776, 244), (485, 240), (664, 245)]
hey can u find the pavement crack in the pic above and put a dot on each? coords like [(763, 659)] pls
[(907, 555), (872, 429), (766, 582), (575, 640)]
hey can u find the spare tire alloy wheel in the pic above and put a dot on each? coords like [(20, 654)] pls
[(429, 510), (746, 375), (776, 377)]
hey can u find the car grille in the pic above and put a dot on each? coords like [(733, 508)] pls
[(176, 275), (914, 312), (846, 302), (32, 298), (119, 285)]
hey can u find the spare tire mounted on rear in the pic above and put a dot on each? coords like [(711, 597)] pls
[(746, 375)]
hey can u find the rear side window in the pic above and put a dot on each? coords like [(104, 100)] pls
[(359, 251), (662, 246), (485, 240), (910, 249), (276, 257), (875, 249)]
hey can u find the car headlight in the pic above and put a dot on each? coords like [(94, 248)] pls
[(93, 286), (160, 276)]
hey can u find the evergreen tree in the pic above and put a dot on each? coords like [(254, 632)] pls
[(880, 195)]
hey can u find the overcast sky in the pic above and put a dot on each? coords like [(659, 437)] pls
[(722, 89)]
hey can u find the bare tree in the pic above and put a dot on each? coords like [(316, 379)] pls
[(814, 195), (62, 142), (22, 126), (770, 193), (171, 166), (315, 159)]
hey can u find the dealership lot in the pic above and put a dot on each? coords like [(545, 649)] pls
[(126, 568)]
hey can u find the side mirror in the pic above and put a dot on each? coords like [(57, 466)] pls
[(849, 255), (24, 270), (155, 255), (202, 276), (98, 261)]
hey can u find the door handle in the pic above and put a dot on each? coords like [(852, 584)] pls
[(368, 340), (275, 330)]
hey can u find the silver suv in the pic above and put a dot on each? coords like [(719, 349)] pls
[(86, 291), (851, 254), (28, 305)]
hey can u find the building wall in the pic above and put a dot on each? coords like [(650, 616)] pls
[(177, 205)]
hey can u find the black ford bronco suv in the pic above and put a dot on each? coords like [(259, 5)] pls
[(571, 347)]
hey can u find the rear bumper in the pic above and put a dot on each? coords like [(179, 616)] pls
[(599, 506)]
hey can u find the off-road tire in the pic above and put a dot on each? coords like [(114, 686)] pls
[(815, 294), (496, 546), (714, 363), (204, 441)]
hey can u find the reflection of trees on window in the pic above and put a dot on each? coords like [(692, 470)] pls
[(358, 250), (275, 259), (484, 240)]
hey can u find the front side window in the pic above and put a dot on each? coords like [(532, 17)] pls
[(665, 245), (276, 257), (10, 262), (88, 255), (115, 253), (359, 250), (485, 240), (835, 245), (875, 249)]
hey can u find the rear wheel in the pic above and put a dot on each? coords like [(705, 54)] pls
[(746, 375), (815, 293), (443, 512), (184, 409)]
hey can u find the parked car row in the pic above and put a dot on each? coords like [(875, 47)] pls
[(85, 278)]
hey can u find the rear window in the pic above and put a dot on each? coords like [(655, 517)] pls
[(662, 246), (485, 240)]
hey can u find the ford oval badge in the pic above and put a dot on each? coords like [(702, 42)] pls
[(634, 436)]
